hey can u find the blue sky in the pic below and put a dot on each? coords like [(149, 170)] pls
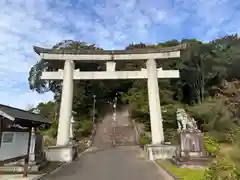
[(110, 24)]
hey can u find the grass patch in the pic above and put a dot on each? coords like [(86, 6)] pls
[(182, 173)]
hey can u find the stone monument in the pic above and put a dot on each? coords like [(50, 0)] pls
[(191, 152), (185, 122)]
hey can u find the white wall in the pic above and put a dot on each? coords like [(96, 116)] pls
[(17, 148)]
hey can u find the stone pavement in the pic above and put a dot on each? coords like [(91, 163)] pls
[(117, 163)]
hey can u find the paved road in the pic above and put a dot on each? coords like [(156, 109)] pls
[(119, 163)]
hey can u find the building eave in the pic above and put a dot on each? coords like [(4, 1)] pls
[(15, 114), (7, 116)]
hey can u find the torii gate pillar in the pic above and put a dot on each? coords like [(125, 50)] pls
[(66, 105), (154, 103)]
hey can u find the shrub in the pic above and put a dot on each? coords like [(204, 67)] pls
[(83, 128), (236, 138), (214, 117), (235, 156), (147, 126), (211, 145), (87, 128), (222, 168), (171, 135), (48, 141), (237, 172), (144, 139), (169, 116)]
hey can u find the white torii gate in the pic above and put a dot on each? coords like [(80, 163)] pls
[(69, 74)]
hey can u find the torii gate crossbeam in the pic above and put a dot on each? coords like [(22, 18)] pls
[(97, 75)]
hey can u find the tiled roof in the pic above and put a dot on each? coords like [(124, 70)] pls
[(22, 114)]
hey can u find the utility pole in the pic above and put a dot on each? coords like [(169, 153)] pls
[(114, 118), (94, 108), (115, 108)]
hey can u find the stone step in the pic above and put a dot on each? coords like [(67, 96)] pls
[(109, 133), (124, 135)]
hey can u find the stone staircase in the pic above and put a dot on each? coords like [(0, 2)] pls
[(124, 136), (118, 133), (102, 138)]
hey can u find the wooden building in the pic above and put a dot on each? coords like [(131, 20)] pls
[(18, 138)]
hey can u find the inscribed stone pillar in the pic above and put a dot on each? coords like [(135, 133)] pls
[(32, 146), (154, 103), (66, 105)]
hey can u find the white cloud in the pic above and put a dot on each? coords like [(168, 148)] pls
[(109, 24)]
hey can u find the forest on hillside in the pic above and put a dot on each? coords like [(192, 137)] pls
[(208, 88)]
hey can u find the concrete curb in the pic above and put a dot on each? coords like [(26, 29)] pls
[(49, 172), (58, 168), (167, 175), (86, 150)]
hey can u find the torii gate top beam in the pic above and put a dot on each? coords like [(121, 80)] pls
[(110, 55)]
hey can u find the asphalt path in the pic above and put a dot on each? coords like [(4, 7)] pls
[(116, 163)]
